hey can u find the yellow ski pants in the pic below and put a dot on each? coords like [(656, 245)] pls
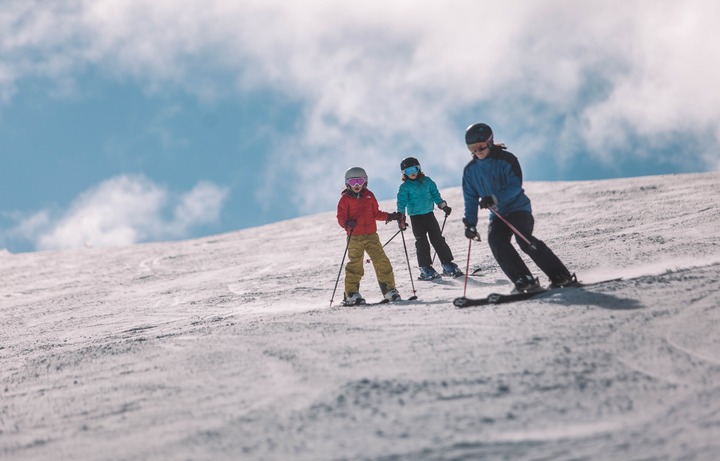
[(354, 270)]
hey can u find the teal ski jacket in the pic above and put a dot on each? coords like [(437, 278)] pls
[(418, 196)]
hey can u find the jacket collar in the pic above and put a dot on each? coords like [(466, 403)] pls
[(352, 194)]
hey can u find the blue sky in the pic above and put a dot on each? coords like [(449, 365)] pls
[(125, 121)]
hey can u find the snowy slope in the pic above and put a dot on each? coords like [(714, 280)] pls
[(225, 348)]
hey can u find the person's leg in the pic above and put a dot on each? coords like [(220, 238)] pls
[(381, 263), (437, 240), (539, 252), (499, 240), (422, 246), (354, 269)]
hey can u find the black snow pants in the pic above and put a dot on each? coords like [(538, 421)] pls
[(499, 239), (424, 226)]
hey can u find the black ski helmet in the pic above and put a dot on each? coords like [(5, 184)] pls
[(478, 132), (408, 162)]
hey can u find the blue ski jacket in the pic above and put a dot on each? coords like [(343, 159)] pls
[(418, 196), (499, 175)]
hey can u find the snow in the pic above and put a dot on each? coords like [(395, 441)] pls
[(226, 347)]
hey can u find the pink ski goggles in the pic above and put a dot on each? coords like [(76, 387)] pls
[(352, 182)]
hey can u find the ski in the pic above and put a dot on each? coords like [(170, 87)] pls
[(399, 301), (429, 279), (498, 298), (364, 302)]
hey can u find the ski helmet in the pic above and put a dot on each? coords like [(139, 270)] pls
[(478, 132), (355, 172), (408, 162)]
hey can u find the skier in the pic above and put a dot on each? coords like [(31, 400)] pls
[(493, 180), (357, 212), (418, 194)]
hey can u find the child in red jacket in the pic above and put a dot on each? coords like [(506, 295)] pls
[(357, 212)]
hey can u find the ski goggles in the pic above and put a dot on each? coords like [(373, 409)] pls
[(353, 182), (411, 170), (478, 147)]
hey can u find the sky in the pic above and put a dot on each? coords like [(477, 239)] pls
[(128, 121)]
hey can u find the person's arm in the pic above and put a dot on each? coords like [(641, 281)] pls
[(342, 212), (471, 197), (403, 197)]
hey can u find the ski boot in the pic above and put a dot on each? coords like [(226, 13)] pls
[(354, 299), (560, 281), (452, 270), (428, 273), (393, 295), (525, 284)]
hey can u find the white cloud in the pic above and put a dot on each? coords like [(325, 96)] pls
[(29, 227), (199, 206), (124, 210), (384, 79)]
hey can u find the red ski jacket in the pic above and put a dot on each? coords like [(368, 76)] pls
[(363, 208)]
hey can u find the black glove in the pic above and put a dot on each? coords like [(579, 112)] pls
[(402, 225), (393, 217), (487, 201), (447, 210), (470, 231), (350, 224)]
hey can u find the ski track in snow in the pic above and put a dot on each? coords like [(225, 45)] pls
[(226, 347)]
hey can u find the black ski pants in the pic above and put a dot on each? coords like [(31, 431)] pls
[(424, 226), (499, 239)]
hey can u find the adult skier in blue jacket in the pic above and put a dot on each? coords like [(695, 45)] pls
[(493, 180)]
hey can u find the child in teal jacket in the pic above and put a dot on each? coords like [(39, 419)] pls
[(418, 194)]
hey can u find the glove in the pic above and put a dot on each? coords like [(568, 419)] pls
[(402, 224), (472, 234), (350, 224), (393, 217), (470, 231), (443, 206), (487, 201)]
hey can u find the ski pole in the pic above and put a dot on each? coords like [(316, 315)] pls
[(407, 258), (390, 240), (367, 261), (341, 266), (441, 232), (517, 232), (467, 269)]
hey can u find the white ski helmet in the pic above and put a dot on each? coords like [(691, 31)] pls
[(355, 172)]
